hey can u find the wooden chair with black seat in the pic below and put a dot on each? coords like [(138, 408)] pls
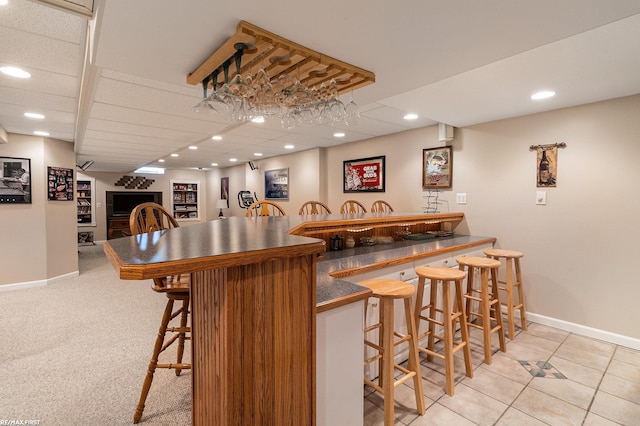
[(314, 207), (147, 218), (265, 208), (381, 206), (352, 206)]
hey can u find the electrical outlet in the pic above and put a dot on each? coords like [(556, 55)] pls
[(541, 198), (461, 198)]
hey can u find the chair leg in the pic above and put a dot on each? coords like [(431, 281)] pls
[(181, 339), (166, 317)]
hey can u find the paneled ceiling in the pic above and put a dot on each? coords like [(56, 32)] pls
[(115, 85)]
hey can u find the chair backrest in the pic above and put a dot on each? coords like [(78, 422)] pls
[(381, 206), (149, 217), (265, 208), (314, 207), (352, 206)]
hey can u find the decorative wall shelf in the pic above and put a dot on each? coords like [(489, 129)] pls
[(280, 56)]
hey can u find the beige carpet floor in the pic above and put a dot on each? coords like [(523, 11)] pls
[(75, 352)]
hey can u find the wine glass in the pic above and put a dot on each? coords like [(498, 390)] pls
[(351, 112), (204, 106)]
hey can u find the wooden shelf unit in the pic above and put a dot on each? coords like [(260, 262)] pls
[(85, 196), (185, 200)]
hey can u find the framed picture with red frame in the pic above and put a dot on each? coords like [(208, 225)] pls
[(364, 175)]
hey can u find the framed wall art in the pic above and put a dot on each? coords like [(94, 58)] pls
[(364, 175), (15, 180), (224, 189), (437, 167), (60, 184), (276, 184)]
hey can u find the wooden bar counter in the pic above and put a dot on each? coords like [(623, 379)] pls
[(253, 314), (257, 285)]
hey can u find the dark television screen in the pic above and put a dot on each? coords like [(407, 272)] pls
[(122, 203)]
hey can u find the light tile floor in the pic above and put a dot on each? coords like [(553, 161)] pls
[(602, 385)]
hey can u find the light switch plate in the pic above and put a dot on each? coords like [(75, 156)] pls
[(461, 198), (541, 198)]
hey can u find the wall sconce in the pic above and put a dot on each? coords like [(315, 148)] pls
[(221, 204)]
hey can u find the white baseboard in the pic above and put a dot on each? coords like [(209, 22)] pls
[(583, 330), (38, 283)]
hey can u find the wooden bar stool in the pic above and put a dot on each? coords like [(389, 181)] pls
[(513, 281), (449, 317), (387, 291), (488, 300)]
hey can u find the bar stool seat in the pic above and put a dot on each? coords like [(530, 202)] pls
[(488, 300), (512, 282), (387, 291), (451, 311)]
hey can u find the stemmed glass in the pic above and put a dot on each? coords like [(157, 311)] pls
[(237, 85), (204, 105), (351, 112), (216, 99)]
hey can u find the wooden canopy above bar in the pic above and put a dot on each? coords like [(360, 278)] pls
[(279, 56)]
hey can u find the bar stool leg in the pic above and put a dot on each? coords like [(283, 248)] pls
[(387, 364), (523, 315), (509, 283), (414, 360), (469, 289), (464, 328), (485, 310), (497, 308), (448, 337)]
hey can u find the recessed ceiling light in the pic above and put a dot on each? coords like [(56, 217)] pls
[(410, 116), (543, 94), (339, 135), (233, 160), (34, 115), (15, 72), (216, 138), (258, 119), (214, 164), (161, 160), (289, 146), (193, 147), (257, 154), (175, 155), (4, 2), (41, 133)]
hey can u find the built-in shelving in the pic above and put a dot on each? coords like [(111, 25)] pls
[(185, 200), (85, 201)]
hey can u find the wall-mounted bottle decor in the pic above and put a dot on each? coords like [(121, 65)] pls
[(547, 164)]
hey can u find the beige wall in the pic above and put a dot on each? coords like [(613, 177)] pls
[(579, 248), (39, 239)]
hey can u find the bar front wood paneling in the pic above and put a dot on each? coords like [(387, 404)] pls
[(253, 339)]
